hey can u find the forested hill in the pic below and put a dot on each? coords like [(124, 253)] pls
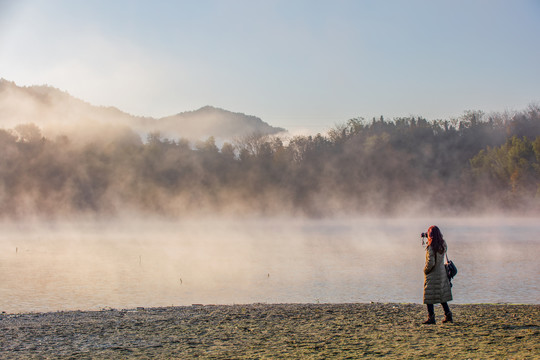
[(471, 165), (210, 121), (57, 112)]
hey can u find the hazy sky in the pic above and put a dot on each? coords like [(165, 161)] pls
[(294, 63)]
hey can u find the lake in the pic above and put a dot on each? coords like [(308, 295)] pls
[(92, 266)]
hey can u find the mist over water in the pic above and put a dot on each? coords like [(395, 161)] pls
[(255, 213), (91, 265)]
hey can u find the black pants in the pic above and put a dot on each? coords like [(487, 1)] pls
[(431, 309)]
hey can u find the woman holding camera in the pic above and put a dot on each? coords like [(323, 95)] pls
[(436, 283)]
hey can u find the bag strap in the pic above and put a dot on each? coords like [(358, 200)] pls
[(447, 258)]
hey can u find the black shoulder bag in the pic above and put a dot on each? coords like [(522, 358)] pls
[(451, 269)]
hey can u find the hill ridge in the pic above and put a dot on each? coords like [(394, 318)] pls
[(51, 108)]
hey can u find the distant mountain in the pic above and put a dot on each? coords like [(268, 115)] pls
[(209, 121), (57, 112)]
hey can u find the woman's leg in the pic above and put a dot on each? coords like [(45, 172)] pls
[(447, 313), (446, 308), (431, 314)]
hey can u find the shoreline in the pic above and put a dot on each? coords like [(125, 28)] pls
[(390, 330), (199, 305)]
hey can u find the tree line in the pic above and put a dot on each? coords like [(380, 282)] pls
[(409, 165)]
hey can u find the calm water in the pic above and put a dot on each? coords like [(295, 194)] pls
[(96, 266)]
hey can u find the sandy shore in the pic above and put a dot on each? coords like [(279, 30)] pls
[(262, 331)]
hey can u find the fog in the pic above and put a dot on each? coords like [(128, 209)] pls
[(88, 265), (94, 216), (80, 161)]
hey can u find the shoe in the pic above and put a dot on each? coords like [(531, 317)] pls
[(448, 318), (430, 320)]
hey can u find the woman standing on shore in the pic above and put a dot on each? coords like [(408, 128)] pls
[(436, 284)]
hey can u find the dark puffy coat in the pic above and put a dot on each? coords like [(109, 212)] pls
[(436, 284)]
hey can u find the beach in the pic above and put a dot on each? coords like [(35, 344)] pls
[(275, 331)]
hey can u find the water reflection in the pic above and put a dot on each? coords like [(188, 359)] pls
[(94, 266)]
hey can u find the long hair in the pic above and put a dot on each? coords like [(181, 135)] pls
[(435, 239)]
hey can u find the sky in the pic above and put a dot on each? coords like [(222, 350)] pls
[(305, 65)]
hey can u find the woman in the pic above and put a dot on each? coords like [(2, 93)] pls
[(436, 284)]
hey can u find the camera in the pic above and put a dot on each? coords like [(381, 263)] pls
[(423, 236)]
